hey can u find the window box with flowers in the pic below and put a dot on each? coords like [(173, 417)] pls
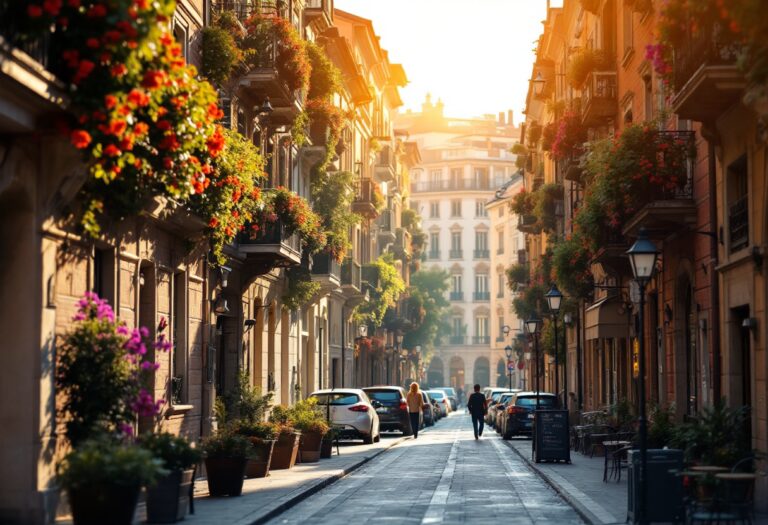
[(586, 61), (569, 138)]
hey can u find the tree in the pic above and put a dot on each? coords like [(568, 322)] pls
[(426, 308)]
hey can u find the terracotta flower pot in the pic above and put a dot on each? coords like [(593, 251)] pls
[(107, 503), (225, 476), (258, 465), (286, 450), (309, 447), (326, 447), (168, 499)]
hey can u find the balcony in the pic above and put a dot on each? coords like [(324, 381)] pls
[(326, 270), (318, 14), (365, 199), (666, 211), (481, 254), (612, 254), (598, 99), (451, 185), (499, 338), (245, 9), (386, 222), (456, 254), (738, 224), (351, 280), (457, 339), (456, 296), (385, 169), (403, 242), (528, 224), (481, 296), (481, 340), (370, 275), (706, 77), (270, 248)]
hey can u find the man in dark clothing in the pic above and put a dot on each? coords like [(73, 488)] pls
[(477, 406)]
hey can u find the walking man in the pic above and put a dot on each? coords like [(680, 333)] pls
[(478, 407)]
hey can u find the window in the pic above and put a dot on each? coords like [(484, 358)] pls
[(481, 245), (180, 34), (456, 283), (434, 210), (628, 35), (104, 274), (481, 181), (178, 326), (456, 245), (501, 283), (481, 330), (738, 205), (456, 176), (457, 326), (435, 176), (480, 210), (500, 248), (648, 100), (481, 282), (501, 328), (456, 208), (434, 245)]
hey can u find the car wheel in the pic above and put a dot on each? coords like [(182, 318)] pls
[(377, 438), (406, 431), (368, 438), (507, 436)]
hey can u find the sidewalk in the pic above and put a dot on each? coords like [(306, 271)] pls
[(264, 498)]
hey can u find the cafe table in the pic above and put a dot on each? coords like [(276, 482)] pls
[(609, 447)]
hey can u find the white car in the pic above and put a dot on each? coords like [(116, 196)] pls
[(442, 401), (351, 411)]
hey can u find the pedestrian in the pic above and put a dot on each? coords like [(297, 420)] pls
[(415, 403), (478, 407), (460, 396)]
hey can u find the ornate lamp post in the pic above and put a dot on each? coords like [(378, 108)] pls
[(508, 352), (532, 326), (642, 256), (554, 300)]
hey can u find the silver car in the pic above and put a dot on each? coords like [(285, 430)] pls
[(442, 401), (351, 411)]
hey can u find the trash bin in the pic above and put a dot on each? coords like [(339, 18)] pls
[(664, 496)]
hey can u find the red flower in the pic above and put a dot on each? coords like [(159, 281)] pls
[(138, 98), (113, 36), (163, 125), (153, 79), (167, 163), (97, 11), (213, 222), (52, 7), (111, 151), (117, 127), (93, 43), (110, 101), (214, 111), (73, 3), (215, 143), (169, 142), (83, 70), (80, 138), (141, 128), (118, 70), (34, 11)]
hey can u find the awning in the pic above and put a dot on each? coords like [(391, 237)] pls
[(603, 320)]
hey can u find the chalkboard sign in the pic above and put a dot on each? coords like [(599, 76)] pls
[(551, 435)]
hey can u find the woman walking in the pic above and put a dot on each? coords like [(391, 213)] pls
[(415, 403)]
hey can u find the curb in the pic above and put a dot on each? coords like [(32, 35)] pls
[(298, 498), (581, 509)]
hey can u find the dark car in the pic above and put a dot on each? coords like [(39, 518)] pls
[(429, 410), (393, 412), (520, 410), (496, 410), (495, 395)]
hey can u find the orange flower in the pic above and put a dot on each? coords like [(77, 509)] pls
[(80, 138), (111, 151), (118, 70)]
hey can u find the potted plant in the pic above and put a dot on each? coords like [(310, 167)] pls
[(313, 425), (326, 447), (262, 438), (287, 445), (168, 499), (226, 454), (103, 478)]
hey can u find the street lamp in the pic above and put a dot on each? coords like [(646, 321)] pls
[(532, 326), (398, 346), (538, 84), (554, 300), (508, 351), (642, 257)]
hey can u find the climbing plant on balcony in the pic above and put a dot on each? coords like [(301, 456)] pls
[(533, 135), (300, 287), (325, 77), (290, 56), (518, 276), (411, 221), (548, 134), (529, 300), (571, 259), (523, 203), (546, 199), (326, 122), (585, 61), (221, 52), (230, 200), (295, 215), (332, 198), (569, 138), (384, 295)]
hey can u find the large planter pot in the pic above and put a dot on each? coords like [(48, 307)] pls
[(106, 503), (258, 465), (309, 447), (326, 447), (225, 476), (168, 500), (286, 450)]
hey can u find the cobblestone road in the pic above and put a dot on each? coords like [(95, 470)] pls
[(444, 476)]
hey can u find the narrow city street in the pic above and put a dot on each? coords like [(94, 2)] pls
[(444, 476)]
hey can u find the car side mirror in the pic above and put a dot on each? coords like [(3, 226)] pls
[(376, 404)]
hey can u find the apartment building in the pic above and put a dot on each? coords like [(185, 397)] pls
[(463, 162)]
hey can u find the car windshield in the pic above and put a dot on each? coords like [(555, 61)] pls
[(544, 401), (384, 395), (505, 398), (436, 395), (337, 398)]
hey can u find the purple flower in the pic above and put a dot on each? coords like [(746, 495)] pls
[(149, 365), (126, 429)]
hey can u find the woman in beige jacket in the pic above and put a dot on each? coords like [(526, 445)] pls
[(415, 402)]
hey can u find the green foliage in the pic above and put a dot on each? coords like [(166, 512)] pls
[(717, 436), (299, 129), (332, 198), (584, 62), (621, 413), (105, 461), (548, 136), (220, 52), (384, 295), (325, 79), (571, 265), (306, 416), (523, 203), (411, 221), (545, 207), (243, 403), (226, 443), (426, 306), (301, 288), (255, 430), (175, 452), (661, 427), (517, 275)]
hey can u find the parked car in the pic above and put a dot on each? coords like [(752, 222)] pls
[(451, 393), (498, 407), (437, 406), (492, 399), (429, 410), (520, 410), (352, 411), (442, 400), (393, 412)]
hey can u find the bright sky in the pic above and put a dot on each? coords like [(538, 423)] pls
[(474, 54)]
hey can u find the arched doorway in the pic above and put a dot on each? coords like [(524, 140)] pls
[(501, 373), (456, 373), (435, 375), (482, 374)]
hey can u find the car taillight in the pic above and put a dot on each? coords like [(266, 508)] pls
[(359, 408), (515, 410), (403, 405)]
